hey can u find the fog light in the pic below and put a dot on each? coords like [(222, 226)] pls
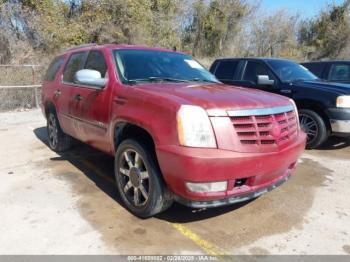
[(207, 187)]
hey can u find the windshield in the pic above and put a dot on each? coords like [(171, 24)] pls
[(289, 71), (149, 65)]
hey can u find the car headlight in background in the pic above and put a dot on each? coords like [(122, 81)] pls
[(296, 112), (343, 101), (194, 127)]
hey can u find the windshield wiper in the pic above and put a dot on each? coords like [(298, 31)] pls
[(156, 79), (298, 80), (204, 80), (303, 79), (295, 80)]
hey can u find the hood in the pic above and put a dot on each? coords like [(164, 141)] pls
[(338, 88), (217, 96)]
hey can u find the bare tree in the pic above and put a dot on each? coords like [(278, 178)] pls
[(274, 35)]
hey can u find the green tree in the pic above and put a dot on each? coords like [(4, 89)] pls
[(213, 26), (327, 35)]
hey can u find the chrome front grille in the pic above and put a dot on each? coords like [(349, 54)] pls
[(255, 128)]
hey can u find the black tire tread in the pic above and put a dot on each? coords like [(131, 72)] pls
[(64, 141), (323, 131)]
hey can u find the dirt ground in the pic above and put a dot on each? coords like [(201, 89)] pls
[(67, 204)]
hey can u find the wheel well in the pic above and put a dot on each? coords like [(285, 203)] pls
[(49, 107), (130, 131), (310, 105)]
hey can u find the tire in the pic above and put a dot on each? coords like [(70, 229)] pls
[(58, 140), (315, 128), (139, 180)]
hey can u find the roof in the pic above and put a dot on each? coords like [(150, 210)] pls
[(326, 61), (255, 58), (87, 47)]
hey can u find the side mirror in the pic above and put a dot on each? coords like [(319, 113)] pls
[(264, 80), (90, 77)]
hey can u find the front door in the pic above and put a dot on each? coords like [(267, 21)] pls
[(91, 105), (254, 69)]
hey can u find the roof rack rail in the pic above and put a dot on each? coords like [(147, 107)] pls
[(80, 46)]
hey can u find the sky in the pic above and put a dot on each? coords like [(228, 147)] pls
[(306, 8)]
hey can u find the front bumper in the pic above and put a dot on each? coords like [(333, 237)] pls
[(234, 199), (340, 126), (259, 170), (340, 120)]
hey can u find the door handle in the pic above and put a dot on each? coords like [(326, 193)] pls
[(120, 100), (78, 97), (286, 91)]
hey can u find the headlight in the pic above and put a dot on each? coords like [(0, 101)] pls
[(343, 101), (194, 127), (296, 112)]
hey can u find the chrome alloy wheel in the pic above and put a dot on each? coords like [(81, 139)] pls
[(134, 178), (309, 126), (52, 131)]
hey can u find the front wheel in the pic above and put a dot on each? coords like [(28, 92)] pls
[(314, 126), (139, 180)]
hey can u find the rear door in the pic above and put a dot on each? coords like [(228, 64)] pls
[(318, 69), (91, 105), (226, 70), (339, 72), (75, 63)]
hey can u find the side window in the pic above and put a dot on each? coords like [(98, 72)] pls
[(339, 72), (316, 68), (96, 61), (53, 69), (253, 69), (225, 70), (73, 65)]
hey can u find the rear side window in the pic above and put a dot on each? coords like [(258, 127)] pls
[(339, 72), (316, 68), (225, 70), (96, 61), (53, 69), (74, 64)]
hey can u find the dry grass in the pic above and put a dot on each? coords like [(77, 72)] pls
[(15, 98)]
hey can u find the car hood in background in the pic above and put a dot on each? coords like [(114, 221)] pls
[(338, 88)]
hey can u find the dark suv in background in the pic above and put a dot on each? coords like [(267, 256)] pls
[(333, 71), (324, 107)]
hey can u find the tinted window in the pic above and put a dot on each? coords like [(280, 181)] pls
[(254, 69), (74, 64), (339, 72), (316, 68), (147, 65), (289, 71), (225, 70), (96, 61), (53, 69)]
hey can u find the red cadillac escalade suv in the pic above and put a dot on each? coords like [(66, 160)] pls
[(176, 132)]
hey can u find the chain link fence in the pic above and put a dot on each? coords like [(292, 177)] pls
[(20, 86)]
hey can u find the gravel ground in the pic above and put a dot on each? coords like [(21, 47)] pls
[(67, 204)]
